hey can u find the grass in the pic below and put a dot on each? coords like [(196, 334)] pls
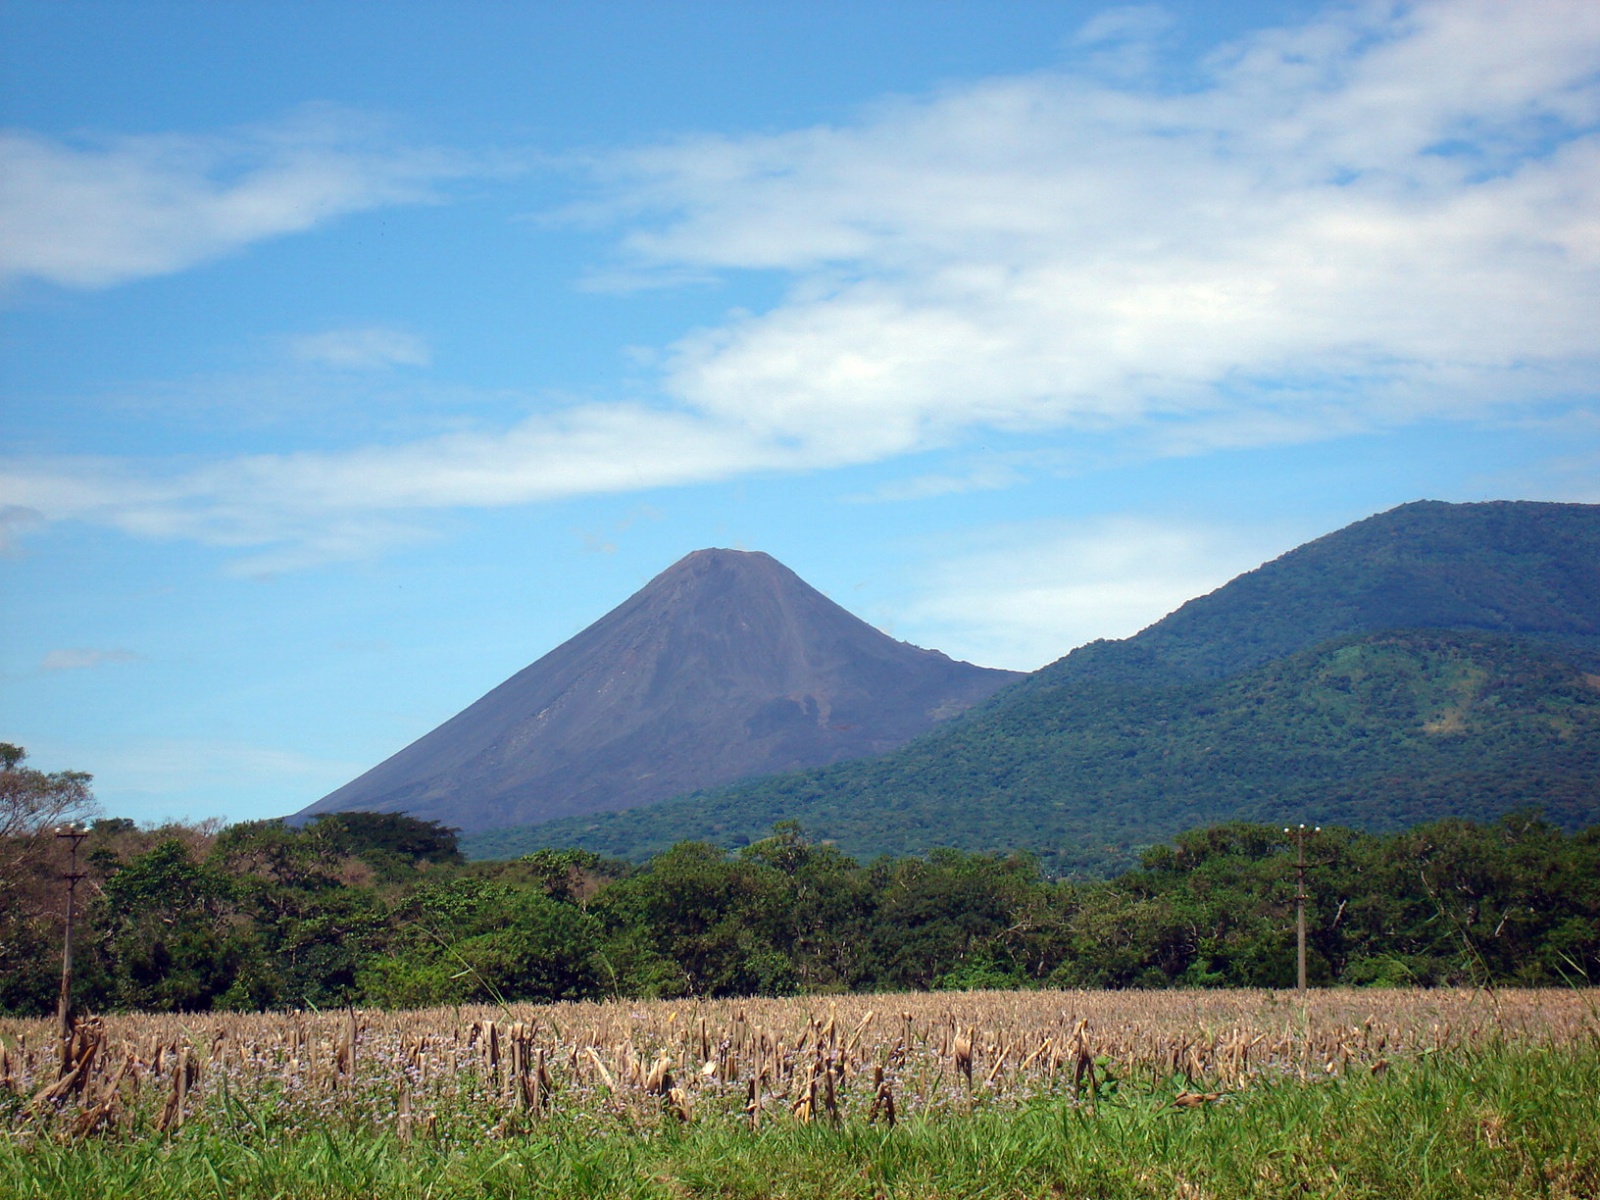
[(1503, 1120)]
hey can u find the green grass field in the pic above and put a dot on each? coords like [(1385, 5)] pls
[(1496, 1108), (1502, 1123)]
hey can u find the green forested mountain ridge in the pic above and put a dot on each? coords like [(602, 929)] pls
[(1517, 567), (1436, 660)]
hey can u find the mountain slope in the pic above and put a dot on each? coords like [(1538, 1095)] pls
[(726, 665), (1516, 567), (1433, 660)]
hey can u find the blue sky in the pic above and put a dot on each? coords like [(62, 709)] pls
[(353, 356)]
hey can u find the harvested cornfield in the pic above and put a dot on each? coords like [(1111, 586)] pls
[(461, 1075)]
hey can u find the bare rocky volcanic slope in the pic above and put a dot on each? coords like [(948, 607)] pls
[(725, 666)]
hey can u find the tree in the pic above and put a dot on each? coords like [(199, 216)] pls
[(32, 804), (942, 921), (695, 923), (166, 941), (392, 844), (478, 940), (825, 914)]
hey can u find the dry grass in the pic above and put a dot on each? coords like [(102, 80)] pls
[(470, 1072)]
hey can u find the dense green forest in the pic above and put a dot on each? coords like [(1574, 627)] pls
[(1432, 661), (378, 909)]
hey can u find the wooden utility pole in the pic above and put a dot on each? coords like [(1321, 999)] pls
[(1300, 903), (74, 836)]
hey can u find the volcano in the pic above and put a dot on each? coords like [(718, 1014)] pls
[(727, 665)]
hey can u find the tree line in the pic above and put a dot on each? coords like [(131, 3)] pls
[(382, 909)]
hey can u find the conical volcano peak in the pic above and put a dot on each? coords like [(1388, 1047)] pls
[(717, 558), (719, 569), (726, 665), (723, 557)]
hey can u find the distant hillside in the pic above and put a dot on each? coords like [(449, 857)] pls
[(726, 665), (1434, 660)]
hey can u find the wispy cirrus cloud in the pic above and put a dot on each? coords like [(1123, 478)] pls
[(291, 510), (364, 348), (985, 477), (97, 211), (83, 658), (1386, 215)]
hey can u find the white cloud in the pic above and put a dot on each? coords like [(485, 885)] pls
[(1401, 200), (1127, 23), (97, 212), (83, 658), (1390, 214), (369, 348), (1024, 595), (1124, 41), (295, 510)]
